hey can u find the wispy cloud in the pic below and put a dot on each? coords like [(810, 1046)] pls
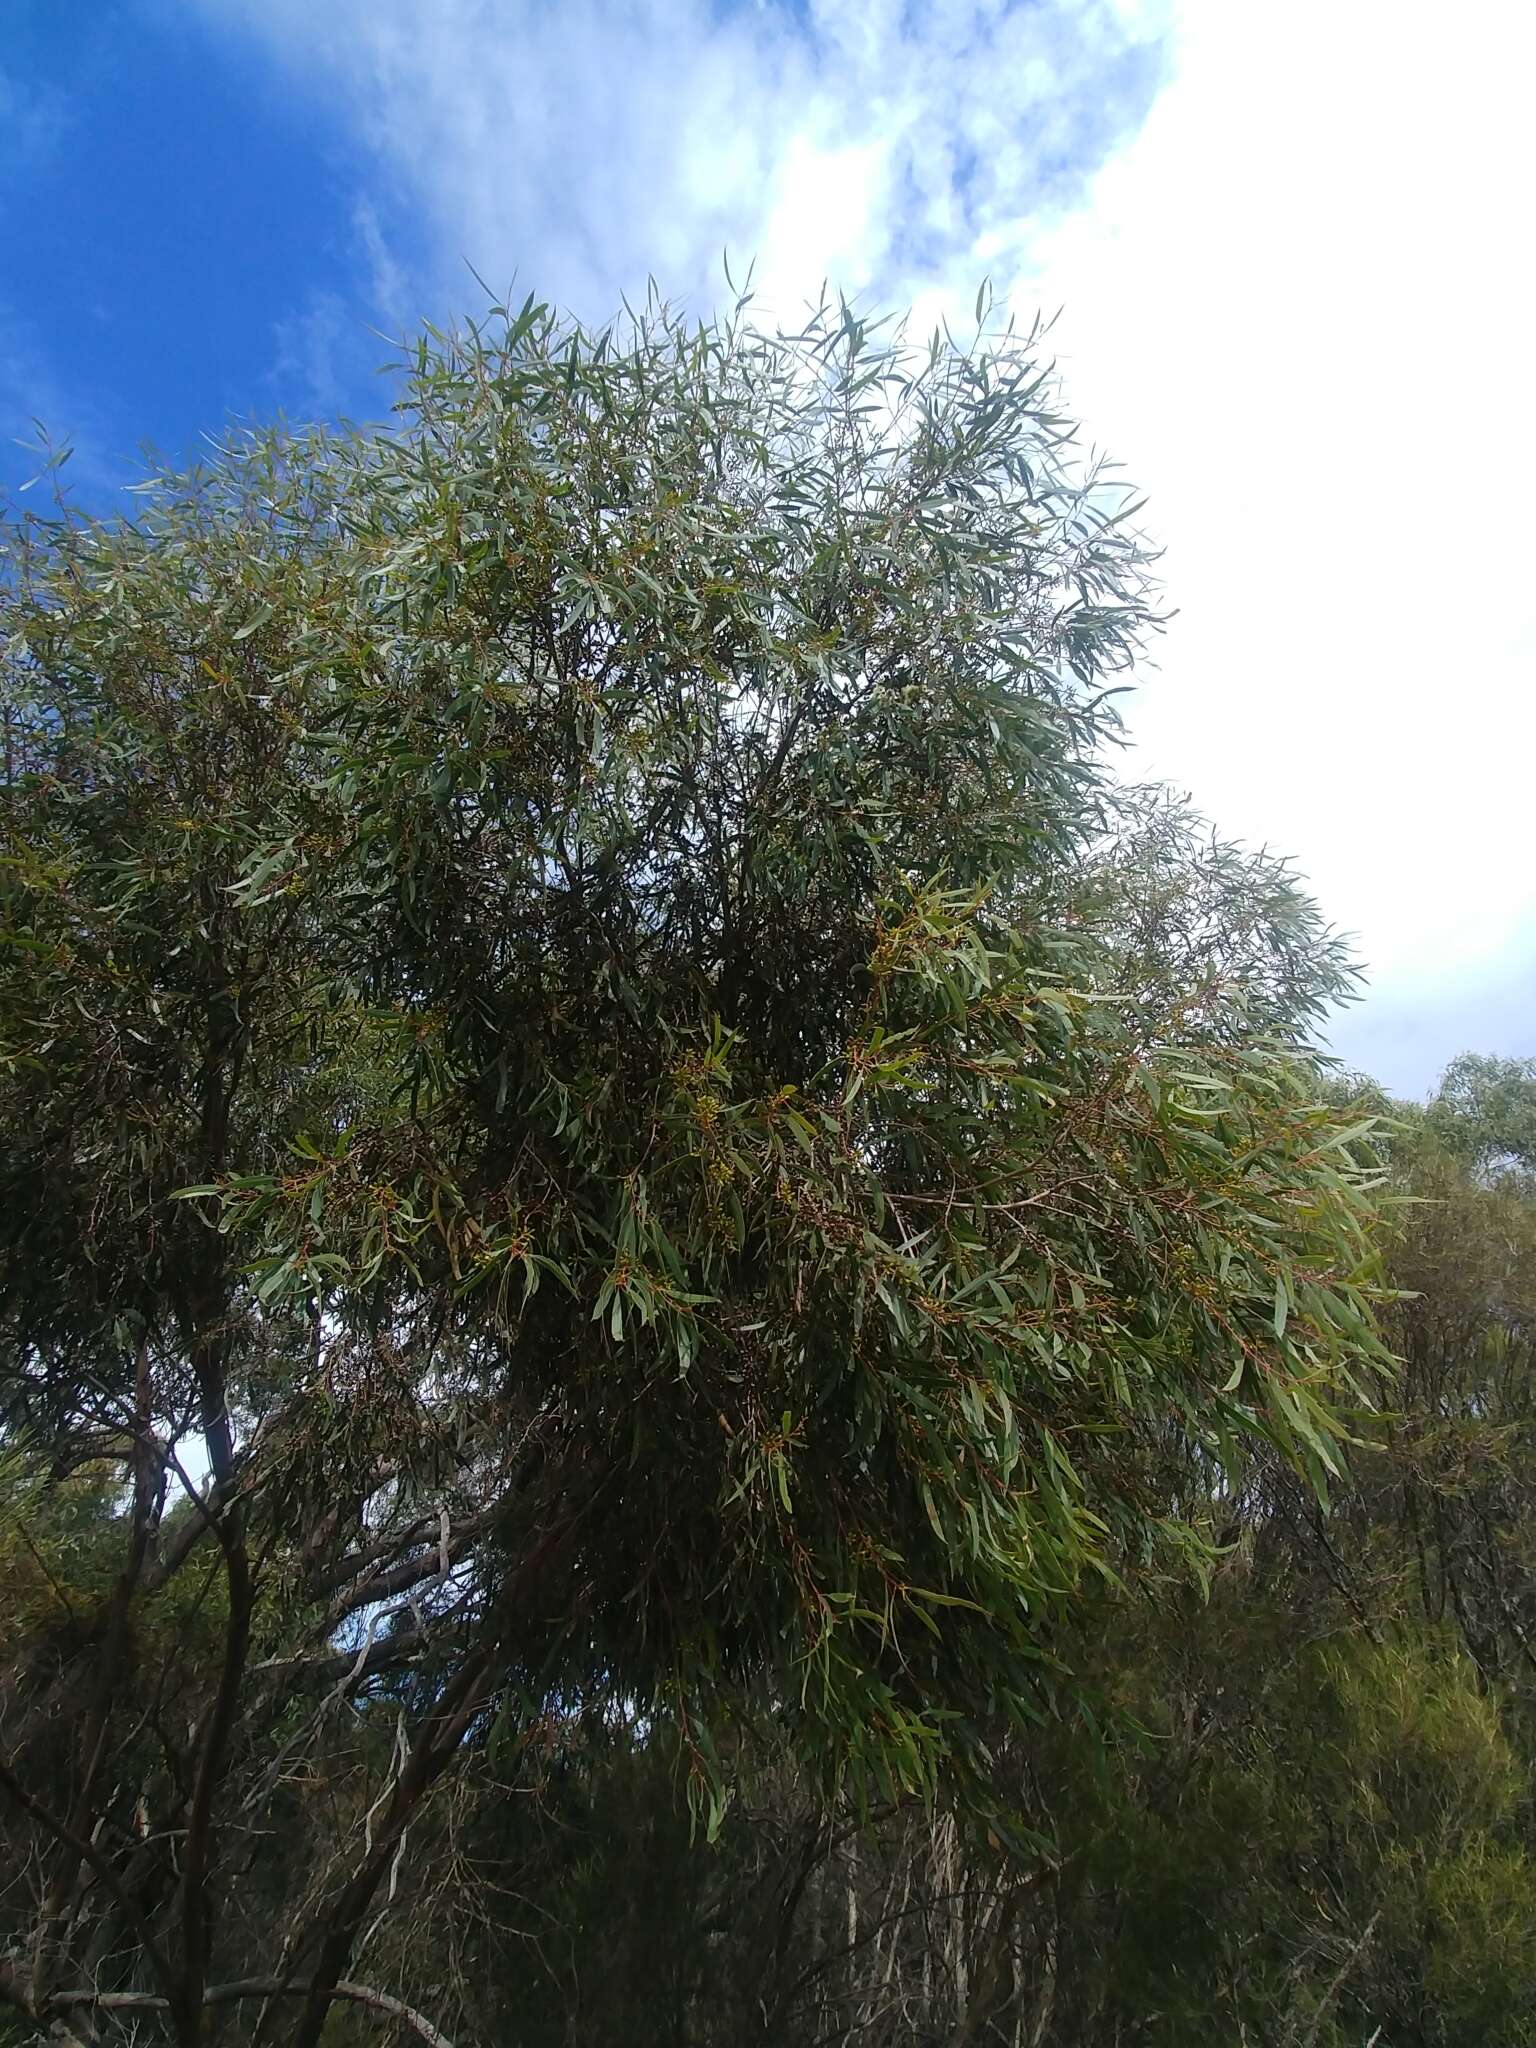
[(389, 285), (307, 365), (42, 413), (588, 145), (33, 123)]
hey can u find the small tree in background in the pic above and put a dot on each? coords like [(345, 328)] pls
[(581, 1017)]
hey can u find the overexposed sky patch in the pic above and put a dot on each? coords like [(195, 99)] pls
[(1295, 304)]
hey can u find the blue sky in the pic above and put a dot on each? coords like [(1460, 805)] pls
[(182, 234), (1287, 240), (208, 208)]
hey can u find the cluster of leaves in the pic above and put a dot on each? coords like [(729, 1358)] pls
[(581, 1018), (1309, 1825)]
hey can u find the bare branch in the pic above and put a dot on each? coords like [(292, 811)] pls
[(255, 1987), (88, 1853), (345, 1666), (410, 1571)]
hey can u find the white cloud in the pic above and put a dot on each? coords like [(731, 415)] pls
[(590, 144), (821, 219), (1294, 306), (389, 287)]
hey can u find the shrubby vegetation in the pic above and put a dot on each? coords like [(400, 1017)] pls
[(691, 1351)]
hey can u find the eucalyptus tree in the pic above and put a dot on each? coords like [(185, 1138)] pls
[(1484, 1112), (567, 1028)]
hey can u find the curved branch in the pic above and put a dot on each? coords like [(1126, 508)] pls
[(385, 1583), (345, 1666), (255, 1987)]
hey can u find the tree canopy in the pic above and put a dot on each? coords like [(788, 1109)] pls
[(585, 1023)]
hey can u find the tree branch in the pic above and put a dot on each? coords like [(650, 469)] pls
[(88, 1853), (410, 1571), (219, 1726), (346, 1665), (430, 1755), (255, 1987)]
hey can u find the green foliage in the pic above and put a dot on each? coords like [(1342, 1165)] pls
[(576, 869), (581, 1013), (1333, 1838), (1485, 1113), (1319, 1836)]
